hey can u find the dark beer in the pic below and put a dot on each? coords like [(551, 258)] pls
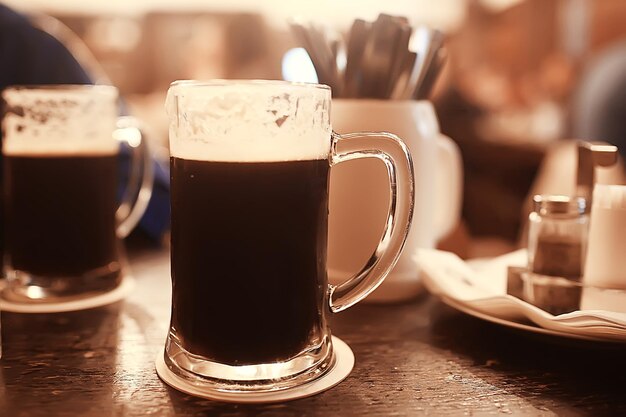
[(60, 213), (248, 258)]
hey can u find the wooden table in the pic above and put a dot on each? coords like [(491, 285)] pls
[(411, 359)]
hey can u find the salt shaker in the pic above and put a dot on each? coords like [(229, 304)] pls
[(557, 236)]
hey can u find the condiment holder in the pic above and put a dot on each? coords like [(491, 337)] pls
[(559, 295), (576, 245)]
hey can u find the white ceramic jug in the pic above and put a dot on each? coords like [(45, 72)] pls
[(359, 192)]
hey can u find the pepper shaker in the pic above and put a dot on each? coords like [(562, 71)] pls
[(557, 236)]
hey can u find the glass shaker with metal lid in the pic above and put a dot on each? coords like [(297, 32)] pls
[(557, 236)]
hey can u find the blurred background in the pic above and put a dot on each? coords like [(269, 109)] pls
[(521, 75)]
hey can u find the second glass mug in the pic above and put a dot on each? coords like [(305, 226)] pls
[(62, 223), (250, 165)]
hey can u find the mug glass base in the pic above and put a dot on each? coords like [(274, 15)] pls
[(25, 287), (307, 366)]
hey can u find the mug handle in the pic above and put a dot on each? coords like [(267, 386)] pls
[(399, 215), (139, 188), (449, 186)]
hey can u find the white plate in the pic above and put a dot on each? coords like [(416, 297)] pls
[(480, 290), (519, 326)]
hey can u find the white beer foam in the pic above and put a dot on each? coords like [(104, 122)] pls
[(248, 121), (70, 147), (60, 121)]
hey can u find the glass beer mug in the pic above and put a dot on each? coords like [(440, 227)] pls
[(62, 219), (250, 163)]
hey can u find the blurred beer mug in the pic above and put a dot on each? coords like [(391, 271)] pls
[(360, 197), (61, 230), (250, 166)]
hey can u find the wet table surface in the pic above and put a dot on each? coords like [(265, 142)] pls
[(417, 358)]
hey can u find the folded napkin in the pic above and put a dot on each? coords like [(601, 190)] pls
[(481, 286)]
